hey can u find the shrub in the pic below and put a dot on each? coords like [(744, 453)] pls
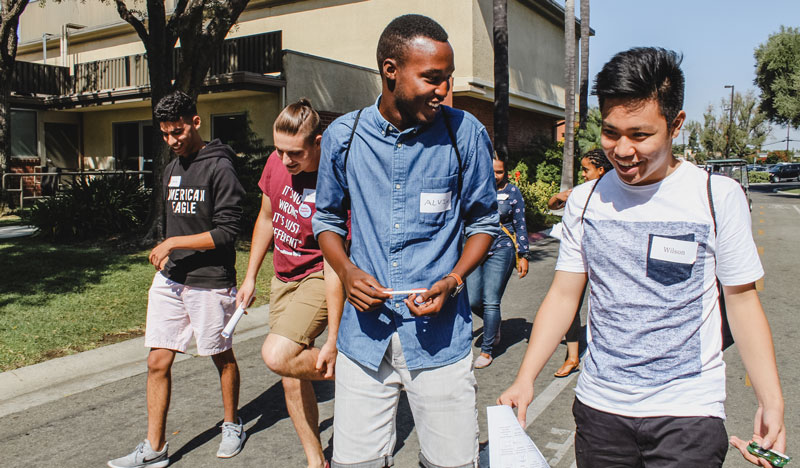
[(92, 208), (758, 177), (536, 194)]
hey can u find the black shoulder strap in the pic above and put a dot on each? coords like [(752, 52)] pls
[(455, 147), (583, 213), (711, 203), (350, 140)]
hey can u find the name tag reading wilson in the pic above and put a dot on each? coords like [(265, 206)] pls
[(434, 202), (673, 250)]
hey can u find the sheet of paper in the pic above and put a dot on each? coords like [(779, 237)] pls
[(509, 445)]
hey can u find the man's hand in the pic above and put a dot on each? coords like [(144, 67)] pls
[(432, 301), (558, 200), (160, 254), (522, 267), (246, 293), (769, 432), (326, 360), (519, 395), (363, 290)]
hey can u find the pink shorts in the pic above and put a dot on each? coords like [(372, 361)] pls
[(175, 311)]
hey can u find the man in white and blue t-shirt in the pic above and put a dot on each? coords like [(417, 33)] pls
[(653, 386)]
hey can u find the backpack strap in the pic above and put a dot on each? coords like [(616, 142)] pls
[(583, 213), (350, 140), (727, 336), (455, 147)]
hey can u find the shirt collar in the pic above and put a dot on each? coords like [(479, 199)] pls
[(387, 128)]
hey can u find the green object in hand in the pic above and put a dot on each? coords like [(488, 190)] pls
[(776, 458)]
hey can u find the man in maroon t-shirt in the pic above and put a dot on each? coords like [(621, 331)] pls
[(305, 294)]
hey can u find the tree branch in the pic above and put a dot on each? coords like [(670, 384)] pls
[(137, 24)]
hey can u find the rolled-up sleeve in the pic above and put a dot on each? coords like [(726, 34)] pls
[(333, 199), (479, 191)]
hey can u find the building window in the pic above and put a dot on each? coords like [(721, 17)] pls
[(231, 129), (23, 133), (133, 147)]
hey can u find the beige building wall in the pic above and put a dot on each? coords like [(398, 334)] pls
[(261, 109)]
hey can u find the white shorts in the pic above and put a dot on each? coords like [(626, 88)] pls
[(442, 400), (175, 311)]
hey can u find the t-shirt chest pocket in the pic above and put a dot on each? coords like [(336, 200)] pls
[(437, 199), (670, 259)]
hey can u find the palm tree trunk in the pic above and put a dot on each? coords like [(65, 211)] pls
[(567, 178), (583, 102), (501, 119)]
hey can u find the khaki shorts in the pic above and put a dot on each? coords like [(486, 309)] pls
[(297, 309)]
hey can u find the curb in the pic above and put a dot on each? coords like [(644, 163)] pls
[(47, 381)]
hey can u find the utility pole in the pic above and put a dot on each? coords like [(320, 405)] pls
[(730, 125)]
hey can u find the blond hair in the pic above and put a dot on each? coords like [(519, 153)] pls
[(299, 118)]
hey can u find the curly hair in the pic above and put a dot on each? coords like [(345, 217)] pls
[(175, 105), (401, 31), (598, 159)]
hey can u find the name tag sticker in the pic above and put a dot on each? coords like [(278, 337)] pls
[(502, 196), (175, 181), (673, 250), (309, 196), (434, 202)]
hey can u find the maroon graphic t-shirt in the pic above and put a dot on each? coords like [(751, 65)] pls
[(293, 199)]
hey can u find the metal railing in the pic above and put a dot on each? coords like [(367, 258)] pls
[(259, 53), (20, 187)]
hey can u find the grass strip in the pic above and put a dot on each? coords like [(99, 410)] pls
[(62, 299)]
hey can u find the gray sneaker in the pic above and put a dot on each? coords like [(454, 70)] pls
[(143, 456), (233, 437)]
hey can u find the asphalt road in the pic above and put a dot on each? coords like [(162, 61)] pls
[(88, 428)]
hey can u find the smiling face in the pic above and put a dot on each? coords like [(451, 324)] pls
[(638, 141), (415, 87), (297, 152), (590, 171), (182, 136)]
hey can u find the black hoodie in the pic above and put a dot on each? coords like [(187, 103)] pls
[(203, 194)]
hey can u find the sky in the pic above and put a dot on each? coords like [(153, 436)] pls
[(717, 39)]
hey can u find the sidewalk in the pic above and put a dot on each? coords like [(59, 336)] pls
[(47, 381)]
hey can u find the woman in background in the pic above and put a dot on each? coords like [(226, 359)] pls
[(488, 282)]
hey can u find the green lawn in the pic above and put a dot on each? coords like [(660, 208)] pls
[(796, 191), (57, 300)]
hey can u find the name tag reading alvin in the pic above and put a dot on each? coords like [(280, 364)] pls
[(175, 181), (434, 202), (673, 250)]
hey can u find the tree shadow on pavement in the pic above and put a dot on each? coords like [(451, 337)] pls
[(512, 331)]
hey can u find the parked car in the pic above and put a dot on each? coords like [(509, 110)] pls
[(784, 172)]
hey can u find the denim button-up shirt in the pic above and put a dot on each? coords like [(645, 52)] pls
[(407, 224)]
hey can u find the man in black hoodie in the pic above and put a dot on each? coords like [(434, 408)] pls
[(194, 290)]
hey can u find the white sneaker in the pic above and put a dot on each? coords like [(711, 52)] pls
[(143, 456), (233, 437)]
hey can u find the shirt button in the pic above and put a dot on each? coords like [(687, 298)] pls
[(397, 226), (397, 186), (399, 145), (394, 264), (397, 305)]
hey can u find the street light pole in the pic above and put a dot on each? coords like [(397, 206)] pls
[(730, 125)]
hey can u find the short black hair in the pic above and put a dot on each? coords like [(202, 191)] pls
[(175, 105), (641, 74), (401, 31)]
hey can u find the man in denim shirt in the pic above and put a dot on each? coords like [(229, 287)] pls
[(412, 195)]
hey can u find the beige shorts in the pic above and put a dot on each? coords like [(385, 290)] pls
[(297, 309), (176, 311)]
